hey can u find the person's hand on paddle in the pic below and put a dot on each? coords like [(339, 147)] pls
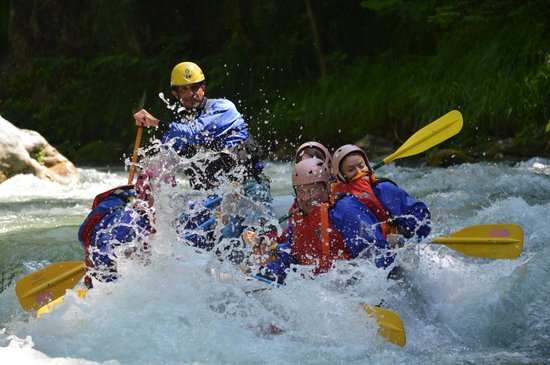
[(145, 119)]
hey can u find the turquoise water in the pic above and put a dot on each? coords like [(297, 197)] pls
[(187, 307)]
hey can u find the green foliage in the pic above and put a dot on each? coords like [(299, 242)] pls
[(393, 66), (490, 62), (381, 5), (39, 155), (100, 153)]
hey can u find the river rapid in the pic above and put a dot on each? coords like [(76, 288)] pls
[(187, 307)]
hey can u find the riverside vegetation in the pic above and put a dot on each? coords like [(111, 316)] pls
[(298, 70)]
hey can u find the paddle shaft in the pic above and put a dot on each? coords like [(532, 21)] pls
[(473, 240), (135, 155)]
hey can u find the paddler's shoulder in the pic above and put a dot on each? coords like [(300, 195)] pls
[(220, 105), (348, 210), (384, 182), (344, 201)]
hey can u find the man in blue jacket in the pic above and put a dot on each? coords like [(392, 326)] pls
[(213, 126)]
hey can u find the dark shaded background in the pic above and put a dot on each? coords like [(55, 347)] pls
[(332, 70)]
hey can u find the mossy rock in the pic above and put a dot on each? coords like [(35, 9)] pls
[(448, 157), (493, 149), (100, 153)]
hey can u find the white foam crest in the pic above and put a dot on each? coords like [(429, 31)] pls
[(197, 308), (536, 165), (179, 306), (21, 351), (26, 187), (450, 295)]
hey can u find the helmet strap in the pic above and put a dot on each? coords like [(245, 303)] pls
[(373, 179)]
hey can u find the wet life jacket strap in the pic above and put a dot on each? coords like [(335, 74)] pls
[(325, 239)]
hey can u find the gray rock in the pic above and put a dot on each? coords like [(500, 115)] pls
[(23, 151)]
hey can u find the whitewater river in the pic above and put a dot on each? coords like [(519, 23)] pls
[(187, 307)]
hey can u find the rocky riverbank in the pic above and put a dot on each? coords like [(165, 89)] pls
[(23, 151)]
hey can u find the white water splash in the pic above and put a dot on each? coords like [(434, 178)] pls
[(188, 307)]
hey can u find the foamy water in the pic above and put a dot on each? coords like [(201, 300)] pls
[(188, 307)]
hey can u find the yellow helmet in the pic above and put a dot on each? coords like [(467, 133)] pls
[(186, 73)]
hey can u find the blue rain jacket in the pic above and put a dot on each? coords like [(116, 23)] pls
[(219, 125), (410, 216)]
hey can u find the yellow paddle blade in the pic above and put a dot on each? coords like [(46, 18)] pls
[(429, 136), (47, 284), (496, 241), (48, 308), (391, 325)]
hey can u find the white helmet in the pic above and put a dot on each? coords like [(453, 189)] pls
[(324, 153), (339, 156)]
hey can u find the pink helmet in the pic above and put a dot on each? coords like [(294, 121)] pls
[(143, 184), (339, 156), (317, 146), (309, 171), (146, 179)]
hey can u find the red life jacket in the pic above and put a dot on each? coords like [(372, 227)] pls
[(362, 189), (98, 212), (315, 241)]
